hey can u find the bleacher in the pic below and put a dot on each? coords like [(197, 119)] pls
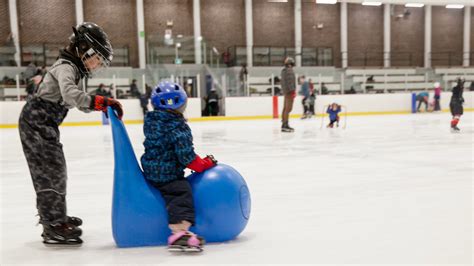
[(259, 86), (390, 80), (450, 75)]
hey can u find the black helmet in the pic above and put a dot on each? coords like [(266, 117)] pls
[(90, 39)]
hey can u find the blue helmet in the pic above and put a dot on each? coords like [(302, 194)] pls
[(168, 95)]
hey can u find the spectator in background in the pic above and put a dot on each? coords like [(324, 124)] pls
[(437, 97), (134, 92), (103, 91), (422, 97), (324, 89), (30, 72), (288, 87), (212, 102), (32, 85), (226, 58), (370, 80), (144, 99), (352, 90), (243, 77)]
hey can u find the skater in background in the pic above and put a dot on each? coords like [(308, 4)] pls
[(288, 86), (437, 97), (455, 105), (311, 103), (422, 97), (305, 92), (333, 111), (89, 49), (168, 151)]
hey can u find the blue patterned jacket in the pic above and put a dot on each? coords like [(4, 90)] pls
[(168, 146)]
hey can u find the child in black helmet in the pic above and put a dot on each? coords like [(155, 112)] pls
[(60, 90)]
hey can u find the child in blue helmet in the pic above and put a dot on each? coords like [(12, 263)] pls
[(333, 111), (168, 151)]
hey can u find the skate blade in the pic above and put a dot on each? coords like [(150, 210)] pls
[(68, 244), (176, 248)]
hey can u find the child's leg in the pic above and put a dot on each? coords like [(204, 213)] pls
[(337, 121), (455, 121), (331, 123), (46, 162), (179, 203)]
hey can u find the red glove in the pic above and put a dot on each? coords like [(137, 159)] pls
[(199, 165), (293, 94), (100, 103)]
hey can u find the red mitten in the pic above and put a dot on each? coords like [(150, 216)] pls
[(293, 94), (199, 164), (100, 103)]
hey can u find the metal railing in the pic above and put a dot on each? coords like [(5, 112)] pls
[(275, 56)]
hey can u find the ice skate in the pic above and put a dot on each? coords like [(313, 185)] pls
[(61, 234), (185, 241), (286, 128), (455, 129), (76, 221)]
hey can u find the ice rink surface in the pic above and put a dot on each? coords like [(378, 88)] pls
[(393, 189)]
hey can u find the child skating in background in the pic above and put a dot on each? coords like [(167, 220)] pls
[(168, 151), (333, 111), (455, 105)]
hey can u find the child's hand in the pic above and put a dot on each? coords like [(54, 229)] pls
[(199, 165), (211, 159)]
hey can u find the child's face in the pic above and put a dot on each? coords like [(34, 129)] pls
[(334, 107), (93, 63)]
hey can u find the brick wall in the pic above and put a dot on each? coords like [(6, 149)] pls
[(472, 36), (4, 23), (329, 35), (223, 23), (118, 18), (45, 21), (157, 12), (407, 36), (273, 23), (447, 35), (365, 35)]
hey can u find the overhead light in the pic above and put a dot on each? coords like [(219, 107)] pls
[(371, 3), (332, 2), (455, 6), (414, 5)]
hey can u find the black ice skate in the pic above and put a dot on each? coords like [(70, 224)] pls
[(286, 128), (185, 241), (61, 234), (455, 129), (76, 221)]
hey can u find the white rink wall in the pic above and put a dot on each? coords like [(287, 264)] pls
[(255, 106)]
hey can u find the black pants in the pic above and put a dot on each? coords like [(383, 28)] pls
[(305, 104), (456, 107), (39, 134), (213, 108), (419, 104), (178, 197)]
